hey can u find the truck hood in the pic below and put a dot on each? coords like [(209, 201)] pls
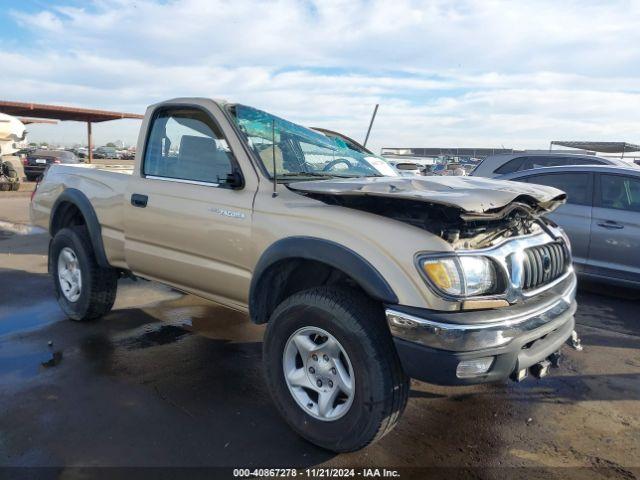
[(476, 197)]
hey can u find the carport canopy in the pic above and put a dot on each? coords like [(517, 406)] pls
[(58, 112), (601, 147)]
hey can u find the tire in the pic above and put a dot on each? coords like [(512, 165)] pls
[(9, 170), (380, 386), (98, 285)]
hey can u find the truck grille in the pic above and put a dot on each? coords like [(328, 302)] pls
[(543, 264)]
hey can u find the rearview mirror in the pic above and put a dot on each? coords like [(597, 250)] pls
[(407, 166)]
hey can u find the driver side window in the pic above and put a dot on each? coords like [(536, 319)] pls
[(185, 144)]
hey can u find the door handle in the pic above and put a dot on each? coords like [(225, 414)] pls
[(138, 200), (611, 225)]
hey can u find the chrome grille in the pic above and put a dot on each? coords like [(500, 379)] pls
[(543, 264)]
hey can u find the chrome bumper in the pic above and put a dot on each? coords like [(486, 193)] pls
[(482, 334)]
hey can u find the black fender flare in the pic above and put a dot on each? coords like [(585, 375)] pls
[(80, 200), (325, 251)]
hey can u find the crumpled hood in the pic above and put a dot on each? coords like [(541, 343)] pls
[(472, 195)]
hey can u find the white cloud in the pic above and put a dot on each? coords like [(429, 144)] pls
[(466, 73)]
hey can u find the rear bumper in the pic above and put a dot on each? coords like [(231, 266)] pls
[(515, 338), (34, 169)]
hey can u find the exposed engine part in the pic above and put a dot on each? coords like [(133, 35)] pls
[(452, 224)]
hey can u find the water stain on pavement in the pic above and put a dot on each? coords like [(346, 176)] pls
[(155, 336), (56, 358)]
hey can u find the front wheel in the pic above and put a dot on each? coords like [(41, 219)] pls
[(332, 368), (85, 291)]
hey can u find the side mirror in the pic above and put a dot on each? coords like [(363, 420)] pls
[(234, 180)]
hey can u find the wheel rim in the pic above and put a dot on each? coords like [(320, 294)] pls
[(319, 374), (69, 276)]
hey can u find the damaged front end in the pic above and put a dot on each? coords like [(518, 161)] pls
[(467, 212)]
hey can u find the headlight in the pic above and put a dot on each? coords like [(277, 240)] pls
[(465, 276)]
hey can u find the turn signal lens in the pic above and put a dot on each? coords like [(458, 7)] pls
[(444, 274)]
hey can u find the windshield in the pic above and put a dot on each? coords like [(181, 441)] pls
[(296, 151)]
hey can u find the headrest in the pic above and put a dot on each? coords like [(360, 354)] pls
[(191, 145)]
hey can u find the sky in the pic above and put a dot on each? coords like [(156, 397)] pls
[(469, 74)]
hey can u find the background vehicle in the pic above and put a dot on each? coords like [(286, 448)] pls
[(301, 231), (601, 217), (406, 169), (504, 163), (106, 152), (9, 179), (12, 135), (38, 161), (448, 169)]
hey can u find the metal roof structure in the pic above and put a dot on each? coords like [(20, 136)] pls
[(29, 121), (59, 112), (601, 147)]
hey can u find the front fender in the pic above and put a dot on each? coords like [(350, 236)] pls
[(324, 251)]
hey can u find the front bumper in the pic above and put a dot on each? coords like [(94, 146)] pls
[(432, 344)]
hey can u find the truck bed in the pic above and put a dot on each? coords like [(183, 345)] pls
[(103, 185)]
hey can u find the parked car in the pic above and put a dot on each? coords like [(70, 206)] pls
[(601, 217), (38, 161), (504, 163), (363, 280), (406, 169), (106, 152), (448, 170)]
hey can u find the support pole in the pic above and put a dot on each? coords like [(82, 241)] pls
[(89, 143), (373, 117)]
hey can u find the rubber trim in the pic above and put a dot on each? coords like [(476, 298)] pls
[(80, 200)]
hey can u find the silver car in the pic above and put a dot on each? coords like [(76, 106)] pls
[(504, 163), (601, 217)]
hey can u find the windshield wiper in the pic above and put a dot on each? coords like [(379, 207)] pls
[(304, 174)]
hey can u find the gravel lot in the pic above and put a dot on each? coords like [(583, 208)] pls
[(170, 380)]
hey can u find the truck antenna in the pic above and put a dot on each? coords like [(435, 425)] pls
[(273, 152), (373, 117)]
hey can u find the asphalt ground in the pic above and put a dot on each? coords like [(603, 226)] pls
[(168, 381)]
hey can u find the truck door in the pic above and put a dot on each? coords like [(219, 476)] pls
[(615, 229), (187, 222)]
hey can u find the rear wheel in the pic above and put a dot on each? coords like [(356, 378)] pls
[(332, 368), (85, 291)]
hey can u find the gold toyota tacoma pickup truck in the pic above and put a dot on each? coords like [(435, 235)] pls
[(364, 278)]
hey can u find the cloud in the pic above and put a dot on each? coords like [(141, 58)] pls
[(465, 73)]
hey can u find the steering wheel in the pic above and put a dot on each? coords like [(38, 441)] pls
[(335, 162)]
